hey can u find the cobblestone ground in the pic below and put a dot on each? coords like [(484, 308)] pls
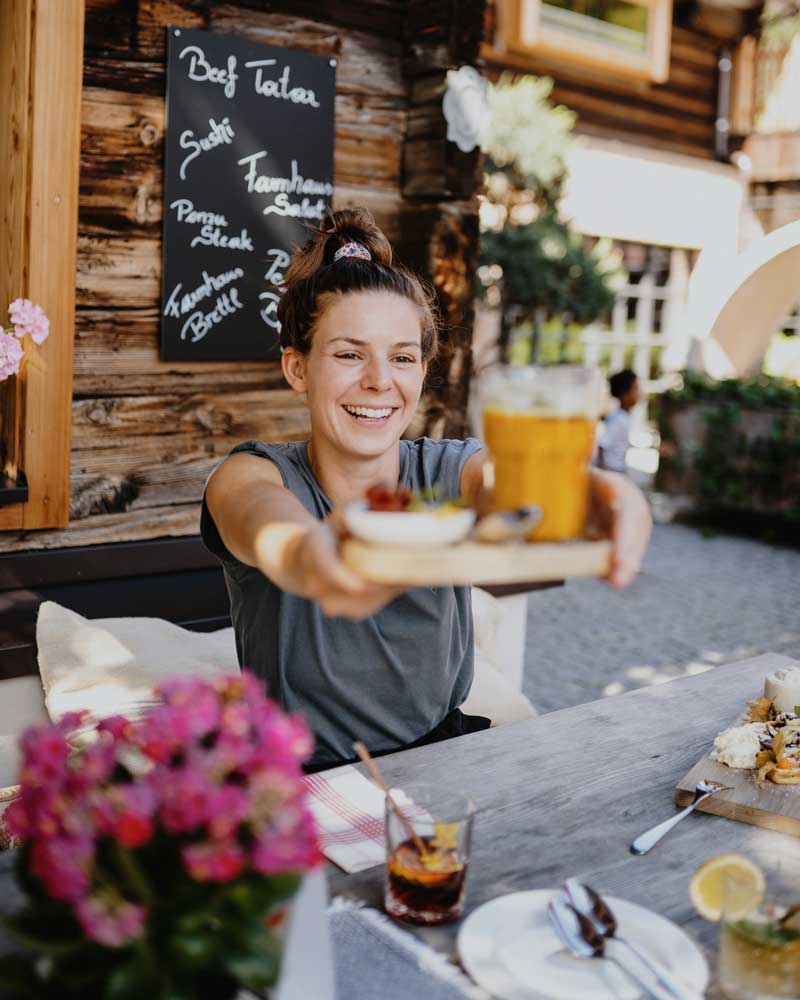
[(698, 602)]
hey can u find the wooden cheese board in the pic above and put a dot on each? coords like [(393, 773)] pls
[(477, 562), (774, 807)]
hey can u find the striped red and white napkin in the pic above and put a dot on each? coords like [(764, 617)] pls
[(349, 811)]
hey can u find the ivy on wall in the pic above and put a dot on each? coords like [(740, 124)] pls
[(733, 444)]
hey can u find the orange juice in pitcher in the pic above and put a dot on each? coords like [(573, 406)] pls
[(539, 427)]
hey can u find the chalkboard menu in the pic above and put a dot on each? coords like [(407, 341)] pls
[(249, 163)]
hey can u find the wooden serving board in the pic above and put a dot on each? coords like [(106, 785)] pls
[(775, 807), (476, 562)]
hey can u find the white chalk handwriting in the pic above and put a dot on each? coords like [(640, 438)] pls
[(202, 71), (200, 323), (221, 133), (186, 212), (211, 236), (179, 304), (270, 311), (283, 187), (279, 262), (305, 209), (268, 184), (279, 88)]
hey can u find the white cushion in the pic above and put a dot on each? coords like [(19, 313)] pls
[(21, 705), (493, 693), (110, 666)]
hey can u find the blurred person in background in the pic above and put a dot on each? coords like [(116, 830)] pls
[(612, 445)]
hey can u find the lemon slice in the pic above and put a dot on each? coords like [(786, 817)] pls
[(730, 880)]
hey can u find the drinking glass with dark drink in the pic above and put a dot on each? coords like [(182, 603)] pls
[(428, 836)]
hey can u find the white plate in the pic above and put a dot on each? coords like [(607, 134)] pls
[(402, 527), (509, 948)]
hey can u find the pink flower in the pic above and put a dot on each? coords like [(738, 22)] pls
[(186, 797), (228, 807), (214, 862), (11, 355), (110, 920), (63, 864), (198, 702), (288, 847), (29, 318), (125, 812)]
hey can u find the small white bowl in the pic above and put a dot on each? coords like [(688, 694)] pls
[(403, 527)]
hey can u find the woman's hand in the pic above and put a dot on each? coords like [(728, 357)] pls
[(323, 576), (619, 510)]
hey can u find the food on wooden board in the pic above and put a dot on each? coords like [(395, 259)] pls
[(769, 739), (397, 498), (393, 515)]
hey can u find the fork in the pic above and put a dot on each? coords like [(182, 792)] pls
[(645, 841)]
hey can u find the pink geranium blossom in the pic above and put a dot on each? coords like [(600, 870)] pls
[(214, 862), (211, 776), (110, 920), (29, 318), (63, 864), (11, 355)]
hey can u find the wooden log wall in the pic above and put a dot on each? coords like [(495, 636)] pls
[(677, 115), (147, 433)]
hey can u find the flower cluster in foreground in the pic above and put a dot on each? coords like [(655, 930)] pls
[(153, 821), (26, 319)]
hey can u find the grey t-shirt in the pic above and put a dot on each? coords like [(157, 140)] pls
[(386, 680)]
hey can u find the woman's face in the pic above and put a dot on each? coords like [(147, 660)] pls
[(364, 373)]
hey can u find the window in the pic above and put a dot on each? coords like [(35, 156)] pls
[(631, 37)]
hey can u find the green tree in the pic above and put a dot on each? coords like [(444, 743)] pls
[(533, 264)]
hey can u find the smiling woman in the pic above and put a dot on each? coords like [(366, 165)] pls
[(359, 660)]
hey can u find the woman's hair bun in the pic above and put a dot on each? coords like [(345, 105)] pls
[(348, 225), (313, 277)]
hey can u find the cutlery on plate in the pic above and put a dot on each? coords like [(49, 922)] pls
[(580, 936), (592, 905), (507, 525), (651, 837)]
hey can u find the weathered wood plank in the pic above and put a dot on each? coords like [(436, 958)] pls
[(538, 825), (102, 529), (153, 17), (134, 76), (231, 416), (378, 17), (109, 27), (122, 272), (117, 353)]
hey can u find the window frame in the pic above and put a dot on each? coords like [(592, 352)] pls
[(524, 34)]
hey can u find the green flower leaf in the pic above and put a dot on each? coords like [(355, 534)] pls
[(132, 980)]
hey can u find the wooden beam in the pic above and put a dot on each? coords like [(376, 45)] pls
[(15, 68), (39, 257)]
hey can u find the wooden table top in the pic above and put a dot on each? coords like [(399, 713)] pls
[(564, 794)]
